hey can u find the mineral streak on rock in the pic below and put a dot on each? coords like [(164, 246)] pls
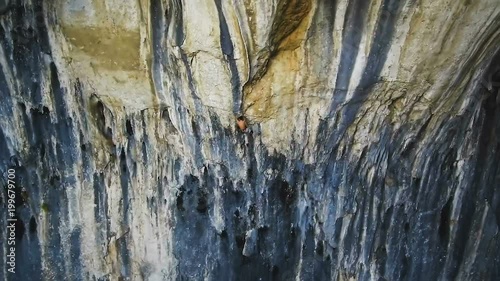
[(373, 153)]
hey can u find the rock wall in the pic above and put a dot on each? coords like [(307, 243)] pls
[(373, 153)]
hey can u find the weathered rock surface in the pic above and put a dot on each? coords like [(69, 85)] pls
[(374, 152)]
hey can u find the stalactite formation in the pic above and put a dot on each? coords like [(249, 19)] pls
[(372, 150)]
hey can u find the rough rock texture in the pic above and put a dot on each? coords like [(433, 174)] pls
[(374, 152)]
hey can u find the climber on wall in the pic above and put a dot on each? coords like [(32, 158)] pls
[(242, 124)]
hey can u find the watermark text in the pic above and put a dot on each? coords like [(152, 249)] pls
[(11, 221)]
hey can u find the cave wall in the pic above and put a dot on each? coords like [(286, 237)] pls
[(373, 154)]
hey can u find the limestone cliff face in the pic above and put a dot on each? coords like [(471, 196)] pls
[(374, 152)]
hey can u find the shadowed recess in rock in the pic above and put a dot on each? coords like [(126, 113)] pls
[(227, 49)]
